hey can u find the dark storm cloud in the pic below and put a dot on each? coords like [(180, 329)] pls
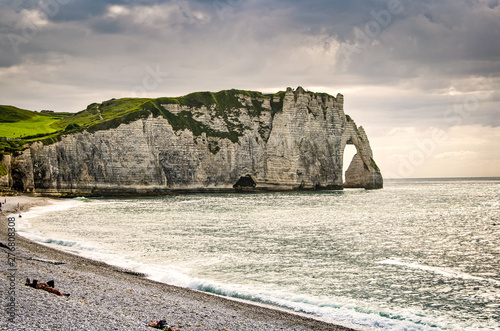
[(81, 10), (430, 45)]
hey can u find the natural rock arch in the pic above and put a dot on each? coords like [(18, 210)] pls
[(362, 172), (294, 139)]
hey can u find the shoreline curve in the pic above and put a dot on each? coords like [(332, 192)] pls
[(106, 297)]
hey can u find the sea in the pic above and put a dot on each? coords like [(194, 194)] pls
[(420, 254)]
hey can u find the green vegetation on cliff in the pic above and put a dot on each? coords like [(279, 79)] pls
[(9, 114), (373, 164), (19, 127), (20, 123), (3, 171)]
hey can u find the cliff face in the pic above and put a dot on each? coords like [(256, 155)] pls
[(298, 146)]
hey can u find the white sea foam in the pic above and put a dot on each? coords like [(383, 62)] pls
[(341, 311), (79, 247), (54, 206), (23, 223), (335, 310), (446, 272)]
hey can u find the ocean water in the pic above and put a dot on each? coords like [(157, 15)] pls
[(417, 255)]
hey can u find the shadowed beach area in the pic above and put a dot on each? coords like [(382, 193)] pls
[(104, 297)]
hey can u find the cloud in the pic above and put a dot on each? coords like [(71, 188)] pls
[(458, 155), (286, 38)]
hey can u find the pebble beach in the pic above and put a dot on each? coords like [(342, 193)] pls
[(104, 297)]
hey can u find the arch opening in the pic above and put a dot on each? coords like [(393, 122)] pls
[(349, 152)]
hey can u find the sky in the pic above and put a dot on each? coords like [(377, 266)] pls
[(422, 77)]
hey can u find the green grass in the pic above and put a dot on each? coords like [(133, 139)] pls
[(21, 123), (112, 113), (37, 124), (9, 114)]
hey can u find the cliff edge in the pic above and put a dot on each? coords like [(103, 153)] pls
[(204, 141)]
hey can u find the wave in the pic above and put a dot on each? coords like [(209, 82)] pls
[(54, 206), (23, 224), (336, 310), (64, 245), (446, 272), (342, 311), (60, 242)]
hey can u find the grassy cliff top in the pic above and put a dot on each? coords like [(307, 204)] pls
[(19, 127)]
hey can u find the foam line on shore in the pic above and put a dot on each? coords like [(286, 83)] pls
[(337, 309), (174, 275)]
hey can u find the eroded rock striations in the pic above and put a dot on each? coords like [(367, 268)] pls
[(286, 141)]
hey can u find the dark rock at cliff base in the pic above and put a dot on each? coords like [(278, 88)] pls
[(245, 182)]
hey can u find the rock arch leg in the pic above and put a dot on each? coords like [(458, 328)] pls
[(362, 172)]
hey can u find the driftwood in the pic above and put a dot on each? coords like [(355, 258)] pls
[(133, 273), (46, 261)]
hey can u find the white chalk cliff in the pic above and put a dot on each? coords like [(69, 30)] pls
[(287, 141)]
